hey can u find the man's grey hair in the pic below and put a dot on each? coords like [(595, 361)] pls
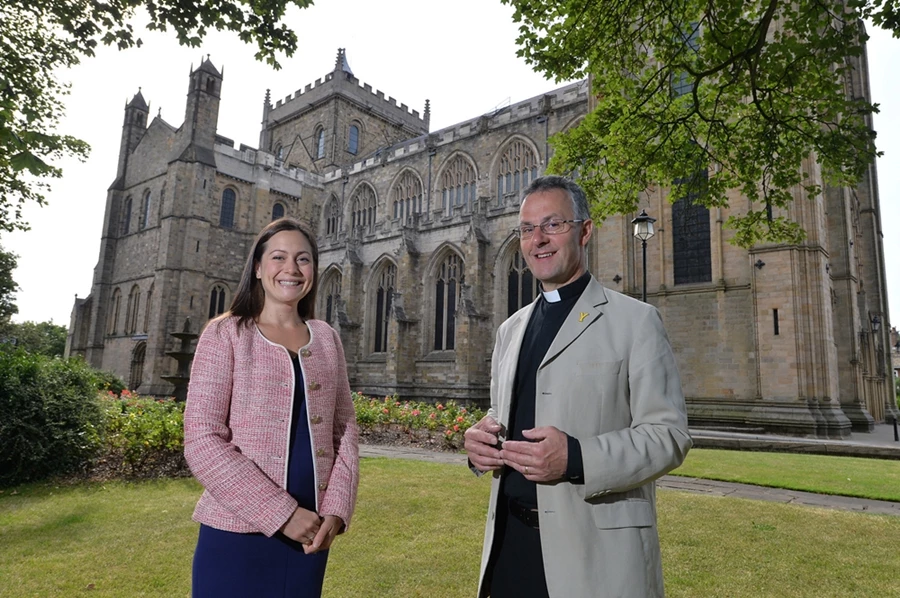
[(576, 194)]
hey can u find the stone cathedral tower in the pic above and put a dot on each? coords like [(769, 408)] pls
[(418, 265)]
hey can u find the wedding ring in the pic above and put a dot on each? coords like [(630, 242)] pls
[(526, 470)]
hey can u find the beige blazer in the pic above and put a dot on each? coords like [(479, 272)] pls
[(609, 379)]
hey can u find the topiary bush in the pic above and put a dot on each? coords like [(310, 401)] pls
[(50, 418)]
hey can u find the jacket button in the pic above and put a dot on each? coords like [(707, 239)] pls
[(316, 419), (305, 353), (320, 452), (314, 386), (323, 486)]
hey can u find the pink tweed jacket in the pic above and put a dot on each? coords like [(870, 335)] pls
[(237, 425)]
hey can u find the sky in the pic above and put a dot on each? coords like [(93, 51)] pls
[(460, 55)]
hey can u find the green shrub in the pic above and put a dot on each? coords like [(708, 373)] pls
[(50, 419), (146, 433)]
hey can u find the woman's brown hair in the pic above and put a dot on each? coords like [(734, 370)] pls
[(250, 297)]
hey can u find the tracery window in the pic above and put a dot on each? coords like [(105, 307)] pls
[(518, 167), (332, 293), (446, 298), (691, 250), (363, 203), (216, 301), (458, 186), (407, 196), (226, 214), (522, 286), (277, 211), (332, 217), (383, 299)]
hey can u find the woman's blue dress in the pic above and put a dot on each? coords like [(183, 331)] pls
[(228, 564)]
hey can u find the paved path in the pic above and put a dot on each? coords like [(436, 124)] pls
[(670, 482)]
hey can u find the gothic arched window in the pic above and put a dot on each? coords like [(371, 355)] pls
[(125, 221), (353, 139), (332, 293), (137, 365), (216, 301), (277, 211), (112, 323), (383, 298), (226, 214), (522, 286), (147, 305), (363, 203), (320, 143), (446, 298), (458, 185), (518, 167), (332, 217), (131, 313), (407, 196), (145, 211)]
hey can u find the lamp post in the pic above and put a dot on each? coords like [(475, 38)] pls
[(643, 230)]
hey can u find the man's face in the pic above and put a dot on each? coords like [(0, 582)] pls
[(555, 260)]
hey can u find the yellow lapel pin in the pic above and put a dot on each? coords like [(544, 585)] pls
[(582, 316)]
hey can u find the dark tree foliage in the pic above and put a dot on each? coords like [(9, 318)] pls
[(747, 90)]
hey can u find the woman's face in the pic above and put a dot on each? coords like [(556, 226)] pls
[(286, 268)]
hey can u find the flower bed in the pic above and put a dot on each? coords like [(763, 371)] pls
[(391, 421)]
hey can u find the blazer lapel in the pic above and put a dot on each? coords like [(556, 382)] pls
[(587, 310)]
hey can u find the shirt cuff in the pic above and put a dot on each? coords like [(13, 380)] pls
[(575, 466)]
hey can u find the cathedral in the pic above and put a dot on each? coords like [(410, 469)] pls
[(419, 265)]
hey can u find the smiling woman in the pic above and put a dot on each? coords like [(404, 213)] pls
[(270, 430)]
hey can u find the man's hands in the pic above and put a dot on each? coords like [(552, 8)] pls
[(544, 459), (481, 444)]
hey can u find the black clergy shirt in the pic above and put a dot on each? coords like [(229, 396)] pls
[(546, 319)]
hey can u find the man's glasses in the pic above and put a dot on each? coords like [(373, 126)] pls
[(551, 227)]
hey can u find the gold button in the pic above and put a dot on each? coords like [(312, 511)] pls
[(323, 486), (316, 419), (305, 353), (320, 452), (314, 386)]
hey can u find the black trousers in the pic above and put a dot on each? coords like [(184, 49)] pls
[(516, 569)]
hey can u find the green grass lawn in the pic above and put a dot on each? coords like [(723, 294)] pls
[(847, 476), (417, 532)]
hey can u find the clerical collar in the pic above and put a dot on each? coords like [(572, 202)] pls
[(572, 290)]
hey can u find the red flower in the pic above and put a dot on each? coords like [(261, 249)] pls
[(415, 412), (440, 407), (460, 419), (463, 410), (432, 415), (455, 428), (385, 410)]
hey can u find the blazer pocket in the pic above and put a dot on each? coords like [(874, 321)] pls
[(600, 368), (632, 512)]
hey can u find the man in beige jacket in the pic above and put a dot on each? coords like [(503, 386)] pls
[(586, 411)]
